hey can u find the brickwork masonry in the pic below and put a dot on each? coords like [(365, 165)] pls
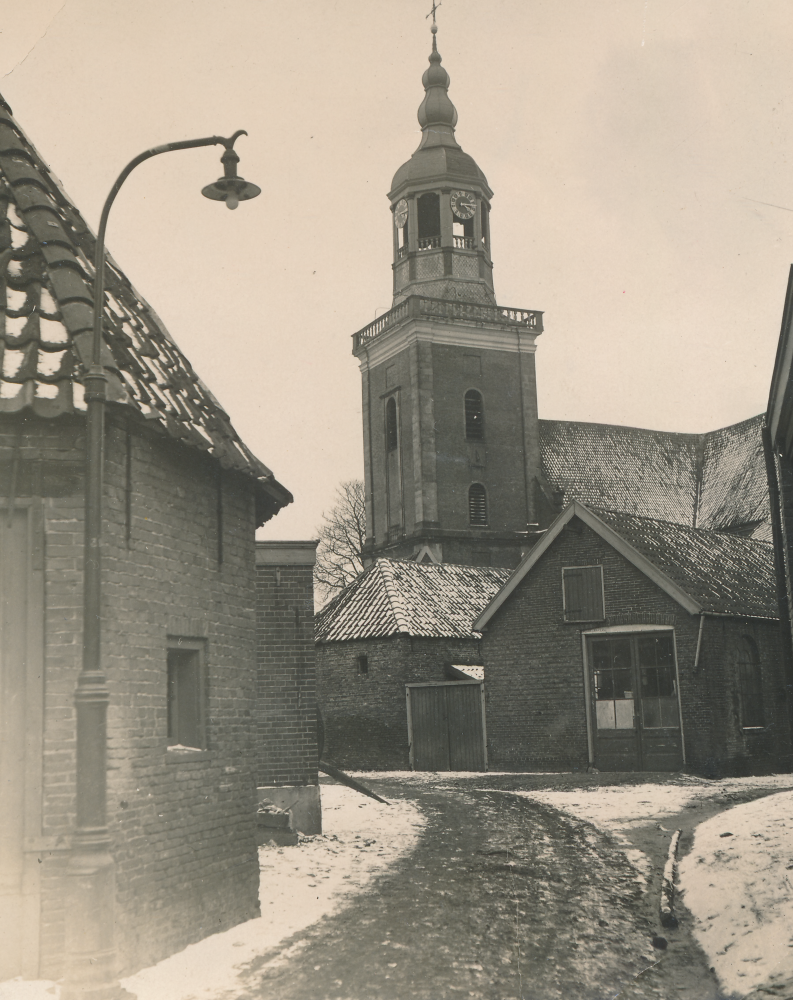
[(182, 823)]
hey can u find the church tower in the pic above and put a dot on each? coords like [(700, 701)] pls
[(451, 448)]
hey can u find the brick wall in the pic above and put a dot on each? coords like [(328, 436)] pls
[(182, 823), (365, 715), (286, 713), (536, 714)]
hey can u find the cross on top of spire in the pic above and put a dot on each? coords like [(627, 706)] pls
[(434, 26)]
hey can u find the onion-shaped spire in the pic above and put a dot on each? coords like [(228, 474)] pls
[(437, 115)]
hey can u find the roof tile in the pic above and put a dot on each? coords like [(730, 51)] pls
[(396, 597)]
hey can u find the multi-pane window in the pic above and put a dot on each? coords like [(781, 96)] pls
[(391, 429), (659, 689), (477, 504), (186, 716), (613, 677), (474, 416), (582, 589), (750, 680)]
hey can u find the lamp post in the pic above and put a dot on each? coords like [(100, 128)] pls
[(90, 939)]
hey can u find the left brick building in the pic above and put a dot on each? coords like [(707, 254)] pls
[(183, 497)]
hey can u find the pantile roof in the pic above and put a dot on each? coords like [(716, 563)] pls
[(395, 597), (715, 480), (46, 319), (722, 572), (704, 571)]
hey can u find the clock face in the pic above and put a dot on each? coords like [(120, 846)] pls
[(400, 213), (463, 204)]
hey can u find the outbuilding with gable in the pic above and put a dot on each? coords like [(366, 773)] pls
[(630, 643)]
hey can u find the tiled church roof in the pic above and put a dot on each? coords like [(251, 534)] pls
[(715, 480), (417, 599), (724, 573), (46, 284)]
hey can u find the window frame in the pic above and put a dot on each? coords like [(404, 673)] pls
[(565, 613), (481, 425), (182, 644), (391, 405), (486, 522), (746, 645)]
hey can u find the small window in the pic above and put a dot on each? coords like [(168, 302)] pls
[(582, 591), (391, 431), (750, 680), (186, 717), (474, 416), (363, 664), (477, 504)]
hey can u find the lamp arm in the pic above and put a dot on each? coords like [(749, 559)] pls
[(99, 257)]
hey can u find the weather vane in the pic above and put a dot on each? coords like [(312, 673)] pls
[(435, 6)]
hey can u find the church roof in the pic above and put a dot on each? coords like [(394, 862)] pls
[(705, 571), (395, 597), (715, 480), (46, 284)]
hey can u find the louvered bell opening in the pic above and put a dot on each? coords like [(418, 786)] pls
[(477, 505), (474, 416)]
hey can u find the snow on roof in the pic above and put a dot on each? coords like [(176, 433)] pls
[(47, 271), (715, 480), (402, 597)]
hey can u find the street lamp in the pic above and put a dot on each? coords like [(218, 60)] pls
[(90, 947)]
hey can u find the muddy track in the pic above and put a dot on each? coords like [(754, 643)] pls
[(502, 898)]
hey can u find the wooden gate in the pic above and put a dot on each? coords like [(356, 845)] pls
[(446, 726)]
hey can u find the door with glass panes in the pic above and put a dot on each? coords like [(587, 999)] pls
[(635, 713)]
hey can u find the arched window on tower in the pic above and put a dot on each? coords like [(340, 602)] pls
[(428, 214), (477, 505), (391, 431), (474, 416), (750, 683)]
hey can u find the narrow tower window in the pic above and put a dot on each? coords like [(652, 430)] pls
[(477, 504), (474, 416), (429, 221), (391, 432)]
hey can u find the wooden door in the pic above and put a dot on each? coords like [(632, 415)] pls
[(20, 746), (634, 710), (446, 726)]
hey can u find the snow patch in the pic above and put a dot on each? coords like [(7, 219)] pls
[(738, 883)]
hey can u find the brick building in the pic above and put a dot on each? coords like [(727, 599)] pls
[(286, 705), (399, 626), (630, 643), (460, 469), (183, 496)]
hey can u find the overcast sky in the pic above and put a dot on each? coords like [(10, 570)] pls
[(631, 146)]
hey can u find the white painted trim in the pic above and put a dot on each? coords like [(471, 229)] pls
[(629, 628), (590, 736), (484, 724), (611, 537), (480, 337), (410, 729), (679, 698)]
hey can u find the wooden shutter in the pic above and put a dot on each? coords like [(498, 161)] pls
[(583, 593)]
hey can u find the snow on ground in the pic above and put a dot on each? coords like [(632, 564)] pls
[(298, 886), (738, 883)]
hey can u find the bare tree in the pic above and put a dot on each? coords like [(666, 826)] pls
[(341, 538)]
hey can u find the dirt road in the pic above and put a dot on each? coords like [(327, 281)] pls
[(503, 898)]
